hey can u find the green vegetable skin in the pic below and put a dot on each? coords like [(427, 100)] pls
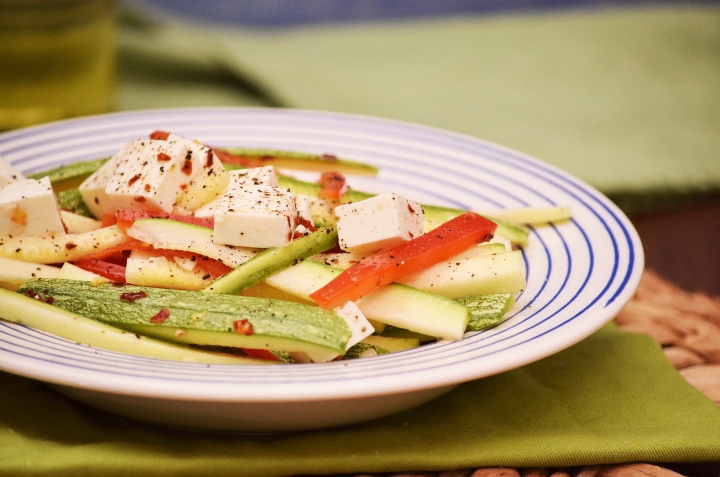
[(199, 318), (304, 161), (272, 260), (26, 311), (487, 311)]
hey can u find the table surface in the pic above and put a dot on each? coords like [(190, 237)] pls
[(681, 243)]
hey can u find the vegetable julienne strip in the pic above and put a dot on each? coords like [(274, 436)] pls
[(126, 217), (293, 160), (128, 245), (200, 319), (109, 270), (61, 248), (23, 310), (285, 159), (389, 265), (272, 260)]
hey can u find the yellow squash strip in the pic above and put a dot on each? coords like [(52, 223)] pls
[(60, 248)]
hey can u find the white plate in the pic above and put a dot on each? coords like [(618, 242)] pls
[(580, 274)]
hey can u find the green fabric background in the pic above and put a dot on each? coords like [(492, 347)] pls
[(611, 398), (626, 99)]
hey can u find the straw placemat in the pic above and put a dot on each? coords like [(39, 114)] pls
[(687, 325)]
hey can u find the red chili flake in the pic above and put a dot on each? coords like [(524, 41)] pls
[(161, 135), (33, 294), (243, 327), (139, 199), (410, 209), (134, 179), (70, 245), (209, 158), (160, 316), (148, 187), (162, 157), (187, 167), (329, 157), (133, 296), (267, 157), (183, 186), (50, 300)]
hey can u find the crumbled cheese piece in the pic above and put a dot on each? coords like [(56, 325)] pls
[(304, 207), (257, 176), (29, 208), (257, 216), (148, 174), (380, 222)]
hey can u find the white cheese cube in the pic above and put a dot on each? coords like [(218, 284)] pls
[(29, 208), (147, 174), (239, 178), (8, 173), (380, 222), (258, 216), (92, 189)]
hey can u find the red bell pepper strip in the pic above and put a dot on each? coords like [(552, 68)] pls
[(117, 250), (332, 185), (111, 271), (126, 217), (159, 135), (389, 265), (260, 354), (208, 265), (108, 220)]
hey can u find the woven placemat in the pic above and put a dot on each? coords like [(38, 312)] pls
[(687, 325)]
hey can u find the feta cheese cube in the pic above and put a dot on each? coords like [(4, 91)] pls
[(29, 208), (147, 174), (239, 178), (380, 222), (8, 173), (258, 216), (92, 189)]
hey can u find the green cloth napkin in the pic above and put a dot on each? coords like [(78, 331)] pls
[(611, 398), (627, 99)]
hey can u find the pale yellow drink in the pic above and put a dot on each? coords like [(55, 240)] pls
[(57, 60)]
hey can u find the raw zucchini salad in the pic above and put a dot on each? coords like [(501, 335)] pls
[(173, 249)]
